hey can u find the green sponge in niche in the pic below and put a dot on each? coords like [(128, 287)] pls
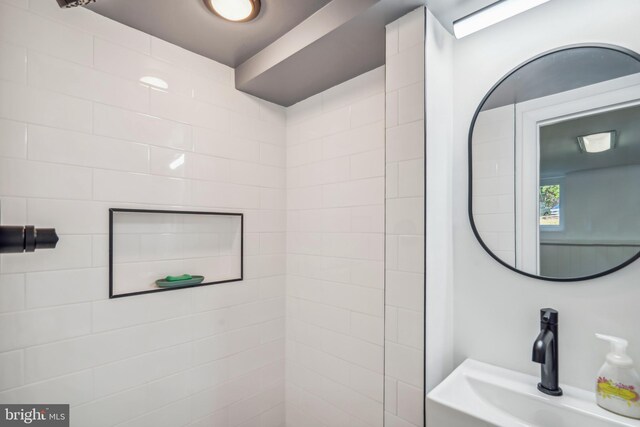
[(178, 278), (179, 281)]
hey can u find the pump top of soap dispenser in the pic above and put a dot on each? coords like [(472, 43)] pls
[(618, 354)]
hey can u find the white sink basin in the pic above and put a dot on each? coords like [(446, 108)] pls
[(506, 398)]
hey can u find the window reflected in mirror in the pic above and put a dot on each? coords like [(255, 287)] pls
[(549, 207), (590, 166)]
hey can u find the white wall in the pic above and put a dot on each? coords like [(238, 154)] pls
[(496, 311), (80, 134), (335, 250), (404, 336), (439, 203)]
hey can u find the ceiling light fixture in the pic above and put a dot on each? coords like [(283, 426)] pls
[(234, 10), (492, 14), (597, 142), (74, 3)]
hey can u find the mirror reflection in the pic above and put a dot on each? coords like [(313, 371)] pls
[(555, 164)]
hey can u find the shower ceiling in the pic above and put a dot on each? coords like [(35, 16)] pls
[(189, 24), (292, 50)]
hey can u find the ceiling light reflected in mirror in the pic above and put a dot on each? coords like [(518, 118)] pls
[(597, 142)]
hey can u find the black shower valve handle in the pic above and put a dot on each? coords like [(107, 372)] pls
[(26, 238)]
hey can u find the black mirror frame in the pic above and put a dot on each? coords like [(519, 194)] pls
[(618, 49)]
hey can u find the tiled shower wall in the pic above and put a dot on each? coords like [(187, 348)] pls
[(405, 260), (343, 367), (335, 256), (80, 134)]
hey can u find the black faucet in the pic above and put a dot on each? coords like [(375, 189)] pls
[(545, 352)]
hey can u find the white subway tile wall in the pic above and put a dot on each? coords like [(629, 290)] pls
[(79, 134), (404, 288), (335, 256)]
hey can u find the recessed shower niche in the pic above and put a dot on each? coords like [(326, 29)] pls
[(159, 250)]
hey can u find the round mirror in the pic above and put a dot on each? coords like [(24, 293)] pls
[(554, 164)]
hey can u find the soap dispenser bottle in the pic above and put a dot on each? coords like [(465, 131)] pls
[(618, 384)]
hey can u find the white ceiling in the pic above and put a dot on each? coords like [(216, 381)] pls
[(189, 24), (293, 50), (343, 40)]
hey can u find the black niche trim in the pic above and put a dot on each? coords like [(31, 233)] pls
[(171, 212)]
